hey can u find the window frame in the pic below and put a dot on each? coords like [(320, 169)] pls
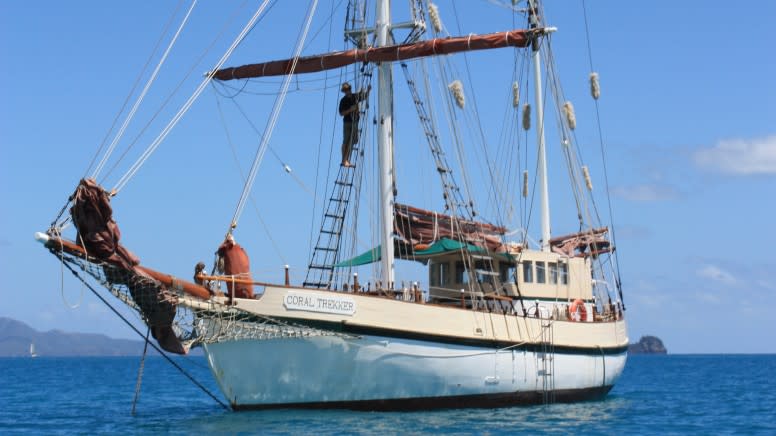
[(541, 272), (528, 275), (554, 273), (461, 273), (564, 273)]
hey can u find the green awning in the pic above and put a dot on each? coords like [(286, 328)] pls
[(370, 256), (446, 245), (441, 246)]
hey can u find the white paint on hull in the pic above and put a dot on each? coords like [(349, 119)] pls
[(331, 368)]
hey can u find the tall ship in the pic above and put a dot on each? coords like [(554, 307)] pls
[(451, 303)]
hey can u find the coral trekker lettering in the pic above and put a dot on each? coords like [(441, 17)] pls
[(340, 305)]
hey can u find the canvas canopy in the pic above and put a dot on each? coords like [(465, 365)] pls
[(441, 246), (370, 256), (446, 245)]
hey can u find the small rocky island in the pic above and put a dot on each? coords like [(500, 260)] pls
[(648, 345)]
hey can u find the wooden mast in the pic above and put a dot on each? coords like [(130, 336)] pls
[(384, 53)]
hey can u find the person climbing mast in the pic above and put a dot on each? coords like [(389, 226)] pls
[(349, 110)]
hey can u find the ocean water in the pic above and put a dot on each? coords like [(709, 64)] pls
[(675, 394)]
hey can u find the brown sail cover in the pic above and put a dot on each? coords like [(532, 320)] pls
[(97, 231), (328, 61), (236, 263), (99, 234), (420, 226), (590, 242)]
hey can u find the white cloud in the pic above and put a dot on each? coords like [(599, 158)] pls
[(717, 274), (740, 156), (646, 192)]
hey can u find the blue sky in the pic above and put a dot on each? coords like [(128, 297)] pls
[(687, 110)]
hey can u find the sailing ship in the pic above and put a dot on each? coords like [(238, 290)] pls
[(493, 319), (33, 353)]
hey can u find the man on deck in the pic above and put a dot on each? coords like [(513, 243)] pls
[(348, 108)]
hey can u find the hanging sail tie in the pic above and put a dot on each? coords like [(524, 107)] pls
[(525, 184), (588, 181), (436, 21), (526, 116), (571, 118), (595, 87), (456, 88), (515, 94)]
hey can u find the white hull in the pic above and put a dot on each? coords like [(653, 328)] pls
[(373, 370), (407, 366)]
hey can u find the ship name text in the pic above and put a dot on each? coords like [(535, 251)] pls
[(335, 304)]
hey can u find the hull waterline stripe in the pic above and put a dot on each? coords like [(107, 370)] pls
[(504, 399)]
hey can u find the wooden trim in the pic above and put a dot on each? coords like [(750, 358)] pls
[(230, 279), (193, 289)]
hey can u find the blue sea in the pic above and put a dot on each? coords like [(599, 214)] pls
[(675, 394)]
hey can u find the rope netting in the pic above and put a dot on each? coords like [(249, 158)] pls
[(179, 321)]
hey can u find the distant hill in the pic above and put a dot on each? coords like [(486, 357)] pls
[(16, 337), (648, 345)]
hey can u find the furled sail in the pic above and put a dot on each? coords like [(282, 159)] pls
[(98, 236), (420, 226), (328, 61)]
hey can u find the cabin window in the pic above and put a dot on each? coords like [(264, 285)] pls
[(444, 274), (527, 271), (506, 272), (461, 274), (439, 274), (483, 270), (541, 274), (564, 274), (553, 272)]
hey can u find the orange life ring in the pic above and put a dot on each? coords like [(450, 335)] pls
[(578, 307)]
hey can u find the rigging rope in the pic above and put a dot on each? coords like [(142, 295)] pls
[(282, 163), (272, 121), (140, 371), (576, 168), (142, 95), (242, 176), (158, 350), (132, 90), (483, 142), (320, 141), (177, 88), (187, 105), (62, 283), (603, 159)]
